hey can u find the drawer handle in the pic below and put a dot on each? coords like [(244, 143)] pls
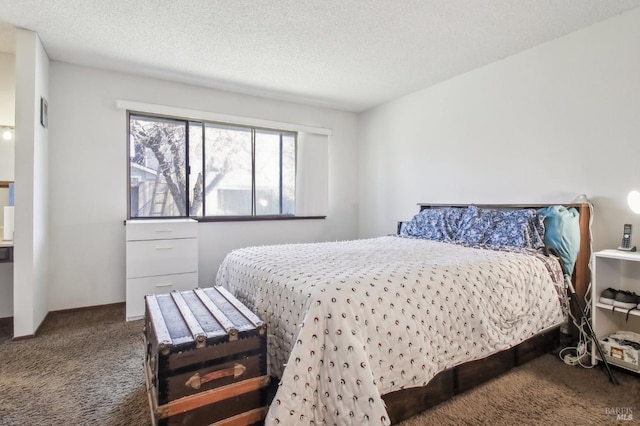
[(164, 230), (164, 285), (164, 247)]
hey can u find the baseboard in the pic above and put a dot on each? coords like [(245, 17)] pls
[(25, 337), (31, 336), (6, 322), (83, 308), (86, 308)]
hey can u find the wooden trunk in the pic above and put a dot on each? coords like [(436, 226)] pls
[(205, 359)]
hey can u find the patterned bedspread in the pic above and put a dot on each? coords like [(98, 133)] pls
[(351, 321)]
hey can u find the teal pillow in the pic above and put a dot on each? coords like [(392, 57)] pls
[(562, 232)]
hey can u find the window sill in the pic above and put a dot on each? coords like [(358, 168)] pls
[(254, 218)]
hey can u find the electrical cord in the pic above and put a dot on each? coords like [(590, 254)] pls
[(574, 355)]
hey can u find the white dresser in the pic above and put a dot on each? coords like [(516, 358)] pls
[(162, 255)]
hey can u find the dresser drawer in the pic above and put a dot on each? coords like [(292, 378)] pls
[(161, 257), (137, 288), (161, 229)]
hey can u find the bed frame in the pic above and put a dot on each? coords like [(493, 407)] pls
[(406, 403)]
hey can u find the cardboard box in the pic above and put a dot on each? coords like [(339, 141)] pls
[(622, 355)]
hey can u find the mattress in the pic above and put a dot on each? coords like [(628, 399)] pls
[(350, 321)]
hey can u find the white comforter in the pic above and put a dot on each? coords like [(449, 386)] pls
[(351, 321)]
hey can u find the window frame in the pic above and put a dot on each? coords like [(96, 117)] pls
[(204, 122)]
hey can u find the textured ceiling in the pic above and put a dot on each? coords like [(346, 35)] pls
[(346, 54)]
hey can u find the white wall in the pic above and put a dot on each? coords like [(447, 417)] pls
[(544, 125), (31, 190), (7, 114), (88, 179)]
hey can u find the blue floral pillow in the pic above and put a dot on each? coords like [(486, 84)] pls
[(440, 224), (514, 228)]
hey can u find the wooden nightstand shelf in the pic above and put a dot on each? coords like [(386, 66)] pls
[(621, 271)]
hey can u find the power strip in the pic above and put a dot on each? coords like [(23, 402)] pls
[(582, 348), (575, 360)]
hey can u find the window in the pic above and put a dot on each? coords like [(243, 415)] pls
[(182, 168)]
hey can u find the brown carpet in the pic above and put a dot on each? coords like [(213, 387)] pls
[(85, 368)]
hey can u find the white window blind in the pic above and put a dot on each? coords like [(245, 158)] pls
[(312, 175)]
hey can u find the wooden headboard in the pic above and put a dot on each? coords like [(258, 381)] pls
[(581, 272)]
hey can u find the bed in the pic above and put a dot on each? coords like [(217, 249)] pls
[(377, 330)]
